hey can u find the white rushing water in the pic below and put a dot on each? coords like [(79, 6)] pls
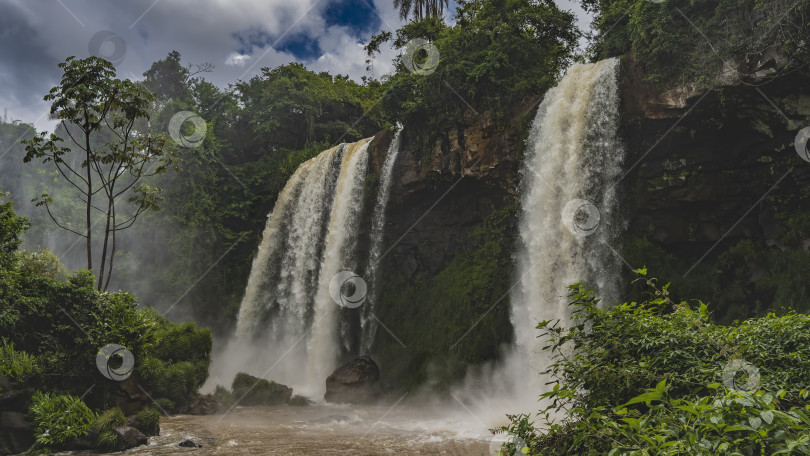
[(285, 268), (341, 239), (569, 206), (369, 326), (287, 323)]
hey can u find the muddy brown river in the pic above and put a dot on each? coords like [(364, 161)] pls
[(323, 429)]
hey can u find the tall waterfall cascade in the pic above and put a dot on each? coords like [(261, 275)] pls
[(569, 214), (288, 321)]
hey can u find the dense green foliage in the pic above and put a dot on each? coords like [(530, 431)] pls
[(59, 418), (697, 42), (108, 420), (659, 377), (52, 330), (17, 366), (433, 313), (497, 54), (150, 421)]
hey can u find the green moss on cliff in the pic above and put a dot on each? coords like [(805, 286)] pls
[(457, 317)]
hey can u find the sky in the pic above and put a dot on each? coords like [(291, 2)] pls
[(238, 37)]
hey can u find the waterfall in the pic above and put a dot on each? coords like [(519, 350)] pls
[(287, 322), (369, 327), (569, 204), (341, 239), (285, 269)]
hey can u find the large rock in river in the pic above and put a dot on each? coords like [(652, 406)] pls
[(258, 391), (129, 437), (354, 382)]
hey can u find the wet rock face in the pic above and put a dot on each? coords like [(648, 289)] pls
[(439, 195), (717, 167), (354, 382), (129, 437), (16, 432), (258, 391)]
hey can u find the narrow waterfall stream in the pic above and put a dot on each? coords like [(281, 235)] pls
[(369, 326)]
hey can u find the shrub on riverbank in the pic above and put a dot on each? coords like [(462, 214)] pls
[(52, 330), (58, 418), (659, 377)]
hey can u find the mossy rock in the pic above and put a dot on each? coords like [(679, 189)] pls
[(250, 390)]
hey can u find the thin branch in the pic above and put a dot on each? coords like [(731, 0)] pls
[(59, 224), (71, 135), (131, 221), (58, 168)]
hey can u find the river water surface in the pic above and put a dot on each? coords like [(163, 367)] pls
[(325, 429)]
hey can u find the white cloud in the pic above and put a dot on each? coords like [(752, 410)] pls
[(35, 35), (237, 59)]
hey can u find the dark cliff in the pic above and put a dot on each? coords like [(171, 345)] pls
[(717, 197), (449, 239)]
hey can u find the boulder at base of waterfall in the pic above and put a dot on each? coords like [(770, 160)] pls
[(129, 437), (354, 382), (258, 391), (299, 401)]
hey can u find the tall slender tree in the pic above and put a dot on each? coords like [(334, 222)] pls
[(420, 9), (104, 119)]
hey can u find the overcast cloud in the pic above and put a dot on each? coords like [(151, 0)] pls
[(238, 36)]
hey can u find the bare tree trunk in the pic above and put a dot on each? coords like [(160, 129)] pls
[(112, 251), (89, 200), (106, 241)]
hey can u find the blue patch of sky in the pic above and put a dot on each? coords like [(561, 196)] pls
[(358, 16)]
